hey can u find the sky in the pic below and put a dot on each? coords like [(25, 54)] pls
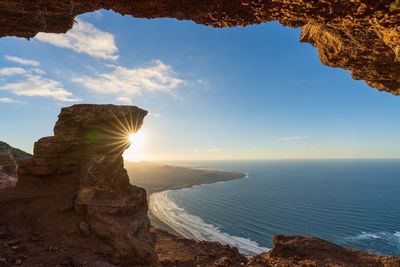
[(250, 92)]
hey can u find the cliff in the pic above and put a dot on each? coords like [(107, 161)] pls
[(360, 36), (75, 193)]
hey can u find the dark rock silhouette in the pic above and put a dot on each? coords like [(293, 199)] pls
[(76, 184)]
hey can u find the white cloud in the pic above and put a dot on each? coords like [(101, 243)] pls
[(124, 100), (38, 71), (11, 71), (156, 115), (36, 85), (84, 38), (196, 150), (8, 100), (214, 150), (22, 61), (128, 82), (293, 138)]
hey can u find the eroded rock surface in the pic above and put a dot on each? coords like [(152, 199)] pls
[(298, 251), (76, 192), (361, 36), (10, 158), (175, 251)]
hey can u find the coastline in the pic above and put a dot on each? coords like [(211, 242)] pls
[(165, 214), (158, 223), (161, 181)]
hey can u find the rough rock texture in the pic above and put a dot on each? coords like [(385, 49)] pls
[(76, 188), (10, 158), (174, 251), (362, 36), (297, 251)]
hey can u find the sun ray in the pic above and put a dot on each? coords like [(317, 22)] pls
[(121, 136)]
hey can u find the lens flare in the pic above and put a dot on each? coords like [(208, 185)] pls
[(135, 151), (122, 136)]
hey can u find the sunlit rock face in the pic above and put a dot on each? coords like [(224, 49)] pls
[(77, 178), (360, 36)]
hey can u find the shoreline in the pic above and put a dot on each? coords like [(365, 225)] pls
[(185, 225), (158, 223), (179, 187)]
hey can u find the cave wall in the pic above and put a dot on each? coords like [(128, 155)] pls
[(362, 36)]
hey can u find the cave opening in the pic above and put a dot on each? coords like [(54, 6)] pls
[(234, 99)]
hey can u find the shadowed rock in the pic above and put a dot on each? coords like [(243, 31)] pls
[(77, 185), (10, 158), (299, 251)]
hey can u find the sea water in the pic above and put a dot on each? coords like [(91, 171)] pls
[(354, 203)]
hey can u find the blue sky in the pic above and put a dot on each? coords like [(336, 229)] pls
[(233, 93)]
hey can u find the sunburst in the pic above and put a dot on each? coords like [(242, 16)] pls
[(119, 134)]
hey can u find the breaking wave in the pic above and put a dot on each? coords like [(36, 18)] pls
[(379, 235), (193, 227), (377, 241)]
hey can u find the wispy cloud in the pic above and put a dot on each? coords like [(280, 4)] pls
[(10, 71), (293, 138), (127, 82), (30, 82), (38, 71), (155, 115), (22, 61), (8, 100), (84, 38), (36, 85), (124, 100)]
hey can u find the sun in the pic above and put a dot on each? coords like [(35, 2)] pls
[(136, 152), (137, 139)]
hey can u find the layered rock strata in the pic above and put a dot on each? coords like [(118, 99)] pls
[(360, 36)]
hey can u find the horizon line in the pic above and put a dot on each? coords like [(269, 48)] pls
[(260, 159)]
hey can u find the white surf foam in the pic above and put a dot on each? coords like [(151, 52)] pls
[(365, 235), (191, 226), (378, 235), (389, 238)]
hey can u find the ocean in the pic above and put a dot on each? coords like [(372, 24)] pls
[(354, 203)]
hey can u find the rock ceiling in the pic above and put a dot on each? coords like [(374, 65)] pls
[(362, 36)]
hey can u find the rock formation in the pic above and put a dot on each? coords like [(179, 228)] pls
[(10, 158), (297, 251), (175, 251), (361, 36), (75, 187)]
